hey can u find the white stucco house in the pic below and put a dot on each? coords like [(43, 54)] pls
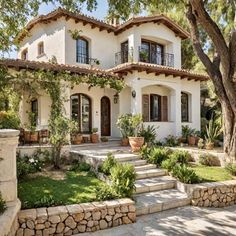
[(144, 51)]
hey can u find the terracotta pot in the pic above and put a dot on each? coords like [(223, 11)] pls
[(94, 138), (124, 142), (34, 136), (77, 139), (191, 141), (209, 146), (136, 143), (27, 136)]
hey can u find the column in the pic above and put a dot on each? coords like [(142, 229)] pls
[(8, 179)]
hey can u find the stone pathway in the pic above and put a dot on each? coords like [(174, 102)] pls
[(184, 221)]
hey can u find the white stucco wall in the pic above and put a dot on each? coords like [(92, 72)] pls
[(53, 37), (102, 45)]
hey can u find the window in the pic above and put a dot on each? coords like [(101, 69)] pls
[(24, 54), (40, 49), (151, 52), (184, 107), (82, 51), (155, 107), (81, 111), (124, 52), (34, 111)]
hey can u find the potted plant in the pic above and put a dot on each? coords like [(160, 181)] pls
[(143, 55), (192, 137), (104, 139), (213, 131), (135, 141), (31, 135), (76, 136), (123, 123), (94, 136), (186, 131)]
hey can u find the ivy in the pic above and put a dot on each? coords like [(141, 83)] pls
[(55, 84)]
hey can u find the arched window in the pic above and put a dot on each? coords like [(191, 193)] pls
[(81, 111), (82, 51), (184, 107)]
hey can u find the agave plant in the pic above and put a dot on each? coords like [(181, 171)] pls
[(213, 131)]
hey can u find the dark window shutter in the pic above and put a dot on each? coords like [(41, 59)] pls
[(164, 106), (145, 107)]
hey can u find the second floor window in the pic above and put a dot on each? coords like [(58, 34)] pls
[(24, 54), (40, 49), (124, 52), (82, 51), (151, 52)]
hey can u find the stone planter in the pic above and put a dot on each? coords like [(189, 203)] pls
[(94, 138), (124, 142), (136, 143)]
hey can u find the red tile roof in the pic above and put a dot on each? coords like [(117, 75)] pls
[(78, 17)]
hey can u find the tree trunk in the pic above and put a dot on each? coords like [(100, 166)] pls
[(229, 119)]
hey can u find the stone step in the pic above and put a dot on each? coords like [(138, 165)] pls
[(143, 174), (124, 157), (136, 163), (155, 184), (145, 167), (147, 203)]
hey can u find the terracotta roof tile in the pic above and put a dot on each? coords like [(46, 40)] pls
[(56, 14)]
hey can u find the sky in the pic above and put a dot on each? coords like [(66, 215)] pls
[(99, 13)]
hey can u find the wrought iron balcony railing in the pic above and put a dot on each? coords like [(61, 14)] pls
[(123, 56), (154, 57), (83, 59)]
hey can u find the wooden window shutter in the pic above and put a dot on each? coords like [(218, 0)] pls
[(164, 108), (145, 102)]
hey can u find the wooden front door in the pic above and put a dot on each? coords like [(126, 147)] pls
[(105, 116)]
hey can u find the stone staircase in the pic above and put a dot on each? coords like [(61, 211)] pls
[(155, 189)]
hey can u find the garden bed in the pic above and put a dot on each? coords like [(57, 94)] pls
[(52, 188)]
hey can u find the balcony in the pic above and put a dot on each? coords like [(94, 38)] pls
[(123, 57), (84, 59), (153, 57)]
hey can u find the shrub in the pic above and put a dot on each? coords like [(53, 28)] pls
[(209, 160), (157, 155), (107, 165), (231, 168), (105, 193), (3, 206), (149, 134), (171, 141), (29, 164), (80, 166), (145, 152), (123, 179), (182, 157), (185, 175), (9, 120), (177, 157)]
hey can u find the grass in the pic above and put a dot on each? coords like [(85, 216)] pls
[(212, 174), (76, 187)]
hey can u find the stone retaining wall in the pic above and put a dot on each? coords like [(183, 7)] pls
[(216, 194), (74, 219)]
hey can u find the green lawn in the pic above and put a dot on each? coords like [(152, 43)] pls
[(76, 187), (212, 174)]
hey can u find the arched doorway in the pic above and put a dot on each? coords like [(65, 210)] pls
[(105, 116)]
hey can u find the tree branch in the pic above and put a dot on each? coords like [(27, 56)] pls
[(213, 31)]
